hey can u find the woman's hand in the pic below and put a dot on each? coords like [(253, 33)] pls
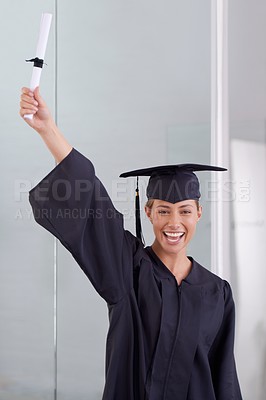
[(43, 123), (32, 103)]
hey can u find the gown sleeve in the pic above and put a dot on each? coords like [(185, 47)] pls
[(221, 356), (74, 206)]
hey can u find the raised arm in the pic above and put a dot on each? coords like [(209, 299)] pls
[(43, 123), (72, 204)]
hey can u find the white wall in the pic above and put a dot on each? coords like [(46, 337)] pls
[(131, 77), (26, 260), (247, 99), (249, 232)]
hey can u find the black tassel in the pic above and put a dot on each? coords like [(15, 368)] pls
[(137, 214)]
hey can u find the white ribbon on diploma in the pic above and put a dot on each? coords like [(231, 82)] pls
[(40, 52)]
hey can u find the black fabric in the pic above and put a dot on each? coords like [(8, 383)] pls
[(171, 169), (172, 183), (165, 342), (37, 62)]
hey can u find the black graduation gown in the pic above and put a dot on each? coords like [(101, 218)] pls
[(165, 342)]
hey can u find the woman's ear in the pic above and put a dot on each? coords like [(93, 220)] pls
[(148, 212), (199, 212)]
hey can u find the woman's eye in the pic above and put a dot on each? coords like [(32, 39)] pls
[(163, 212)]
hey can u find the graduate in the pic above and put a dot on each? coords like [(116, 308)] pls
[(172, 322)]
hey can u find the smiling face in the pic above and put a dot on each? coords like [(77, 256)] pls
[(174, 225)]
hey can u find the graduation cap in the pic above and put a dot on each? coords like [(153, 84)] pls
[(172, 183)]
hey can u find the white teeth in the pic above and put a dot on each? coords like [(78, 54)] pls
[(174, 234)]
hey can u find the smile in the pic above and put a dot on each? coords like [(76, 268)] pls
[(174, 237)]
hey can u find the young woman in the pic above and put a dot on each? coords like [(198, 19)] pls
[(171, 333)]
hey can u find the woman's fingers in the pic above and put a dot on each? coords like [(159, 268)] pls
[(29, 99), (26, 111), (24, 101), (26, 108), (26, 90), (32, 103), (28, 104), (37, 96)]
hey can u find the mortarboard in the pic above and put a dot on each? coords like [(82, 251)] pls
[(172, 183)]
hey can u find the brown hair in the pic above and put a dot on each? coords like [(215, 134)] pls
[(150, 202)]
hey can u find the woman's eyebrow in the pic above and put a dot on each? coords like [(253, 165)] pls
[(182, 206)]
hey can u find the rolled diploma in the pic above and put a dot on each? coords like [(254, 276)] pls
[(40, 52)]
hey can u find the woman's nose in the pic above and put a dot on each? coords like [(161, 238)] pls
[(174, 221)]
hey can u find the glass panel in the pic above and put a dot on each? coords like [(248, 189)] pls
[(132, 77), (247, 76), (26, 251)]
